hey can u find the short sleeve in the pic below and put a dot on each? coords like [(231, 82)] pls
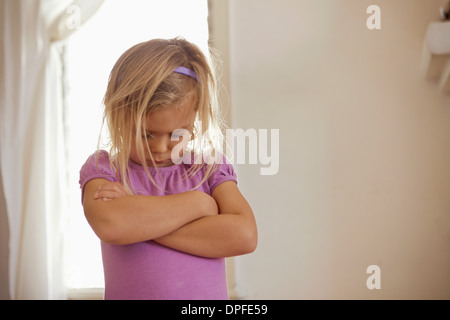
[(93, 170), (224, 172)]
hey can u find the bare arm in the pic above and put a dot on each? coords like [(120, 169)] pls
[(232, 232), (129, 219)]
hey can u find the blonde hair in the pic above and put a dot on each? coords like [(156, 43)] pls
[(142, 81)]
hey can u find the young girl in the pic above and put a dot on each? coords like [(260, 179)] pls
[(166, 218)]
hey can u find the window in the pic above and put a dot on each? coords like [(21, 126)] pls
[(90, 56)]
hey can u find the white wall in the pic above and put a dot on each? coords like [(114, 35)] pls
[(364, 149)]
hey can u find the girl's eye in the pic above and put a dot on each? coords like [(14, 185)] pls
[(147, 136)]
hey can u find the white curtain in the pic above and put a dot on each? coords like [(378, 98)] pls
[(32, 140)]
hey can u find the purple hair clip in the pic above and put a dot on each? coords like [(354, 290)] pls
[(186, 72)]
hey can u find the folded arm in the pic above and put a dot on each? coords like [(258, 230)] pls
[(233, 232), (130, 219)]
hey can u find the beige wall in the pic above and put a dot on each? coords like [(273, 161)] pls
[(364, 149)]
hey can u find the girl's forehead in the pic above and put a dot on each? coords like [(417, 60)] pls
[(168, 119)]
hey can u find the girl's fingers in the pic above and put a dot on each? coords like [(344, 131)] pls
[(110, 191), (110, 194)]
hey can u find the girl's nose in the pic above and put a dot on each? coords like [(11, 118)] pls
[(160, 145)]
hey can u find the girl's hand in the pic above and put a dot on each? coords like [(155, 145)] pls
[(206, 204), (110, 191)]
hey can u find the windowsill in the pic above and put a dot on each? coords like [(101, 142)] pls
[(86, 294), (97, 294)]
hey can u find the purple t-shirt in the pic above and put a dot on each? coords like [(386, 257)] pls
[(148, 270)]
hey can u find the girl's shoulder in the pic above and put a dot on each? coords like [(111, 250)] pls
[(97, 163), (216, 169), (96, 166)]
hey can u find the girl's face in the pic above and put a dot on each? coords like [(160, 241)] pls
[(160, 126)]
